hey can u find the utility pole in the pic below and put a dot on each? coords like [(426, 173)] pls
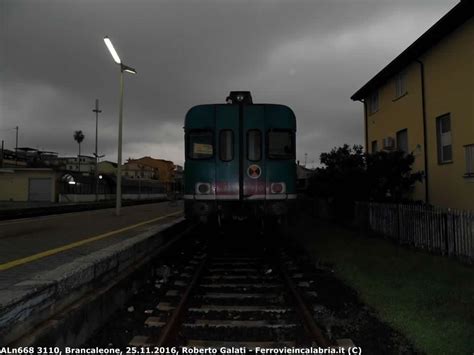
[(1, 157), (96, 154), (16, 147), (305, 159)]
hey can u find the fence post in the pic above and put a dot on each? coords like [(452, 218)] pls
[(399, 234), (446, 232)]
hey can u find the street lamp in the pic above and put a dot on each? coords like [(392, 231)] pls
[(123, 67)]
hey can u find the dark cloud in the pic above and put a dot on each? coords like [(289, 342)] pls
[(310, 55)]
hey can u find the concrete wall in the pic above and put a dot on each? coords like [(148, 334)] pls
[(14, 184)]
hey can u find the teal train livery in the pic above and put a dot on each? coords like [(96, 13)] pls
[(240, 161)]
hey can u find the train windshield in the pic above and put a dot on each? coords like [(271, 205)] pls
[(280, 144), (201, 145)]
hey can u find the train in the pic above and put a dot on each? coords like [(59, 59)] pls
[(240, 161)]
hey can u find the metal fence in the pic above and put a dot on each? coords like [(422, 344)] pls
[(438, 230)]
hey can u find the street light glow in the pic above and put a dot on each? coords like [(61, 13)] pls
[(111, 49), (130, 70)]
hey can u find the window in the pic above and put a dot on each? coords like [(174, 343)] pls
[(445, 148), (200, 144), (373, 102), (254, 145), (400, 85), (375, 147), (469, 149), (402, 140), (280, 144), (226, 145)]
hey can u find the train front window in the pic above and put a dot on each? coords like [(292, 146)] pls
[(201, 145), (254, 145), (280, 144), (226, 145)]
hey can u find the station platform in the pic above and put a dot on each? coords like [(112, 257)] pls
[(48, 255)]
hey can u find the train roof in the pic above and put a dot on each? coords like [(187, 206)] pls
[(203, 112)]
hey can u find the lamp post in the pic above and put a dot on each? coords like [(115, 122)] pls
[(123, 68)]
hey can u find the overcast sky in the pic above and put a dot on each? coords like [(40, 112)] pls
[(309, 55)]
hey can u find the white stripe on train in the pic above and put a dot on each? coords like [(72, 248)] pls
[(236, 197)]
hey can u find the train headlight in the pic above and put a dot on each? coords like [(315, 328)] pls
[(278, 188), (203, 188)]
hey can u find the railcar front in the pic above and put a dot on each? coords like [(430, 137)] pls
[(240, 160)]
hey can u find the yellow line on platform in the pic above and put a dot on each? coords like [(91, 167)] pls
[(28, 259)]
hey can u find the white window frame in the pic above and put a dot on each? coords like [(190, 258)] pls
[(469, 157), (444, 139)]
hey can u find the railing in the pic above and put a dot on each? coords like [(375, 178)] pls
[(438, 230)]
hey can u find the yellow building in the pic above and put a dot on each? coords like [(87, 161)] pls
[(423, 103), (163, 169), (28, 184), (135, 170)]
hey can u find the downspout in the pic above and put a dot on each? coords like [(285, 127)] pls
[(366, 129), (425, 138)]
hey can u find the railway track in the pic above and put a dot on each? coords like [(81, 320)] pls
[(235, 298)]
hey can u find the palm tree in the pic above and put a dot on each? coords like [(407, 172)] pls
[(79, 137)]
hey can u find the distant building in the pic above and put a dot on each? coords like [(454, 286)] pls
[(85, 163), (28, 184), (163, 169), (178, 172), (28, 157), (422, 103), (10, 160), (135, 170), (303, 176)]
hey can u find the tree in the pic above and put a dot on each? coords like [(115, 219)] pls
[(390, 175), (79, 137), (342, 180), (349, 175)]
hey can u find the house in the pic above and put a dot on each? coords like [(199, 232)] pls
[(163, 169), (135, 170), (303, 176), (81, 163), (423, 103), (8, 159)]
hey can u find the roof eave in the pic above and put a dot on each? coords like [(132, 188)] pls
[(458, 15)]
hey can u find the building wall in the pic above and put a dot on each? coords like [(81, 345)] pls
[(138, 171), (395, 114), (165, 168), (15, 186), (449, 73), (449, 76)]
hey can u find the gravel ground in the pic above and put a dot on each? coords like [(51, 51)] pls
[(336, 307)]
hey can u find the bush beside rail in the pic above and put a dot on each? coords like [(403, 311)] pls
[(439, 230)]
